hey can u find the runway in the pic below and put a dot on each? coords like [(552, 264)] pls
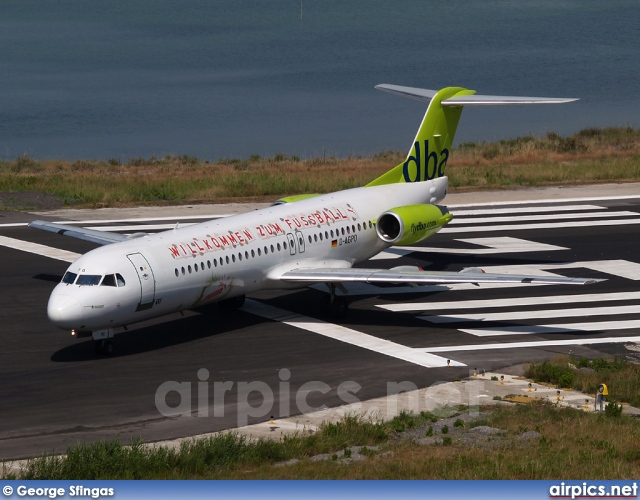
[(55, 392)]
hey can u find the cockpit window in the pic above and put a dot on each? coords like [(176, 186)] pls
[(120, 279), (69, 278), (109, 280), (89, 279)]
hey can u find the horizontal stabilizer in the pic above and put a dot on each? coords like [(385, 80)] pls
[(469, 100)]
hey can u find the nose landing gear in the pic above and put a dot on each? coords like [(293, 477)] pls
[(103, 344), (103, 347)]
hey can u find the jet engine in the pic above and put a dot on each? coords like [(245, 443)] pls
[(412, 223)]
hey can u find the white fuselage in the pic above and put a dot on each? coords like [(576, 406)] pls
[(195, 265)]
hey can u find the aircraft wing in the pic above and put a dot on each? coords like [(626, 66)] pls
[(92, 235), (475, 276)]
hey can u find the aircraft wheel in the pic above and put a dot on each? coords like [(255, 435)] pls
[(234, 303), (104, 347), (238, 301), (336, 309), (108, 348)]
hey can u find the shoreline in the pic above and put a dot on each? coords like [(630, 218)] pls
[(555, 194)]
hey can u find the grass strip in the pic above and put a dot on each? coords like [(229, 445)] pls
[(533, 441), (585, 375), (592, 155)]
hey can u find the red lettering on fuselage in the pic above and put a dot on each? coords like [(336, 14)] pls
[(343, 216)]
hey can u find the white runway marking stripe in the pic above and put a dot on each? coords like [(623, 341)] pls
[(554, 328), (346, 335), (504, 244), (540, 314), (539, 202), (26, 246), (536, 343), (551, 217), (550, 225), (526, 210), (511, 302)]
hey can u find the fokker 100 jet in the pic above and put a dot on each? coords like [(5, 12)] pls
[(299, 241)]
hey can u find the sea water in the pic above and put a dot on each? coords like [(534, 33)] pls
[(233, 78)]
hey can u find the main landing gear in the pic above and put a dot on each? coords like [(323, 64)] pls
[(335, 307), (232, 303)]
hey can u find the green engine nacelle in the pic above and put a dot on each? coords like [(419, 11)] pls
[(411, 224)]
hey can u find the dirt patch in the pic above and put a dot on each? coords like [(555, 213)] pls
[(29, 200)]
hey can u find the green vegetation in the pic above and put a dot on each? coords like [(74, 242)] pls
[(592, 155), (571, 445), (585, 375)]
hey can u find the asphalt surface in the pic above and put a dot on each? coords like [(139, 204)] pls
[(54, 392)]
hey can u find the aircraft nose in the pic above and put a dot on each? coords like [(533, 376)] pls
[(64, 311)]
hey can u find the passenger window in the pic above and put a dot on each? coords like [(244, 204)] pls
[(120, 280), (177, 273), (110, 280), (88, 279), (278, 247), (202, 266), (69, 278)]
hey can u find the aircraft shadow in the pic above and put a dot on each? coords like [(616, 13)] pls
[(52, 278), (161, 335)]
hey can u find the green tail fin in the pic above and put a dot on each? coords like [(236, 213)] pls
[(428, 156)]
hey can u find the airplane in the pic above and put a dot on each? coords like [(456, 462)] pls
[(299, 241)]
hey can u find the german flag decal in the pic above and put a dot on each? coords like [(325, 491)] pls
[(334, 243)]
